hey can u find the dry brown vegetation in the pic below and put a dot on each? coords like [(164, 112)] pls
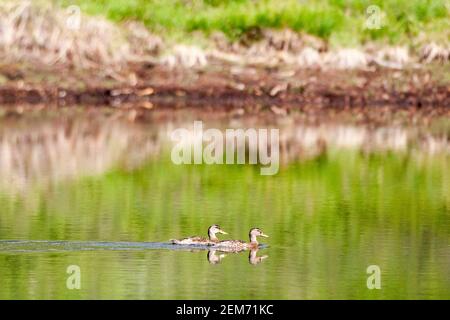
[(45, 34)]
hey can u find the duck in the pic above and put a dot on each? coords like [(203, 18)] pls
[(212, 238), (239, 245)]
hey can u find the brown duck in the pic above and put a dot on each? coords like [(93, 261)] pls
[(212, 238)]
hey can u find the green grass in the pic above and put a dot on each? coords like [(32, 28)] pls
[(339, 21)]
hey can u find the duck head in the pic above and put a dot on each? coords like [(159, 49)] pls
[(213, 230), (256, 232)]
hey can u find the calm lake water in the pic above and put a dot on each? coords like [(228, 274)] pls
[(328, 218)]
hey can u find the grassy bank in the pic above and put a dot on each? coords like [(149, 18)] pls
[(341, 22)]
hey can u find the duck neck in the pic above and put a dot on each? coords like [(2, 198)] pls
[(212, 236), (253, 239)]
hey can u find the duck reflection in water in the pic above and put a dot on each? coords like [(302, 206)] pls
[(254, 259), (216, 256)]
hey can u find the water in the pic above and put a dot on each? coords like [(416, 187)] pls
[(328, 218)]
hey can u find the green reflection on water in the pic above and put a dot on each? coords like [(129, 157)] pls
[(328, 220)]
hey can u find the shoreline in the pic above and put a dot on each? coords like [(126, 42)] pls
[(98, 61), (284, 90)]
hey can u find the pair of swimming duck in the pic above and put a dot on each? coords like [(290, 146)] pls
[(224, 245)]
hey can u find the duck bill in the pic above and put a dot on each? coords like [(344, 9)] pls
[(264, 235), (223, 232)]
